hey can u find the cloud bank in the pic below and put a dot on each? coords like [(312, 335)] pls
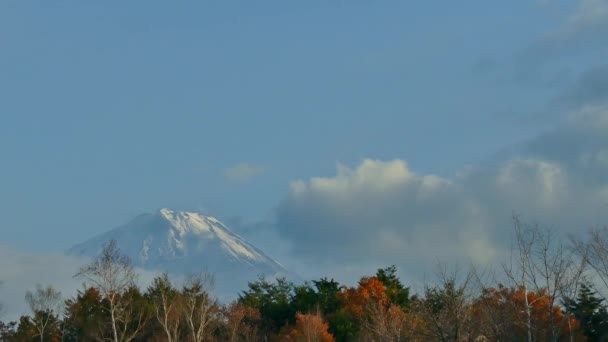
[(382, 212)]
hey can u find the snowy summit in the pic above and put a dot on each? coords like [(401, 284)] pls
[(182, 243)]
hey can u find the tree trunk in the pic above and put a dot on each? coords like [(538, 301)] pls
[(528, 315), (114, 331)]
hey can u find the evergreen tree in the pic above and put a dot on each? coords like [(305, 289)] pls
[(274, 300), (305, 299), (26, 331), (591, 312), (396, 292), (85, 317), (327, 295)]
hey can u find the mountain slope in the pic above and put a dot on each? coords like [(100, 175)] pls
[(185, 243)]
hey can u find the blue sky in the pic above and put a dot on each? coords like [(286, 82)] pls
[(339, 136), (109, 109)]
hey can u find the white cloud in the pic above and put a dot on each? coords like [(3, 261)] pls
[(242, 172), (381, 212)]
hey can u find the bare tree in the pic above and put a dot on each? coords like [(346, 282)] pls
[(447, 306), (559, 272), (385, 322), (167, 304), (520, 265), (44, 302), (112, 274), (200, 309), (542, 264), (594, 252)]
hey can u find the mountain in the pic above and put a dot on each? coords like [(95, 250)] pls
[(183, 243)]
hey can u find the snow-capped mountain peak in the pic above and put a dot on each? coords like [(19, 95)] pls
[(182, 242), (184, 223)]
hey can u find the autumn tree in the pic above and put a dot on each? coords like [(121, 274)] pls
[(369, 292), (496, 314), (241, 322), (377, 317), (309, 328), (500, 310), (45, 304)]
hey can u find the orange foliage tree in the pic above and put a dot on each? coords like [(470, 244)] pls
[(310, 328), (242, 322), (500, 314), (369, 292), (378, 318)]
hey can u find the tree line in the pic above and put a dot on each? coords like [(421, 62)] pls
[(549, 289)]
